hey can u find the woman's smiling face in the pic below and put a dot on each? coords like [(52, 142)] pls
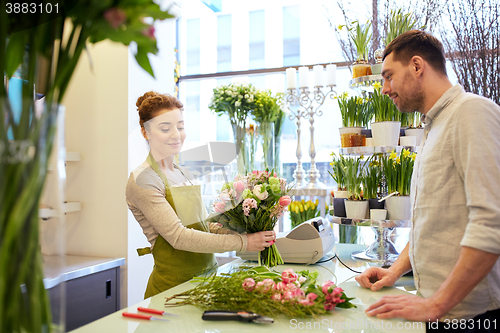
[(165, 133)]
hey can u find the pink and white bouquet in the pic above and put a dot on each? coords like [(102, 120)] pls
[(254, 203)]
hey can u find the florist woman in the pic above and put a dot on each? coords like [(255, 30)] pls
[(167, 203)]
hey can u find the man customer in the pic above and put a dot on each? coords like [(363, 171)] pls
[(454, 244)]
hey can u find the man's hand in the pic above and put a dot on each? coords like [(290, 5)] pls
[(409, 307), (375, 278)]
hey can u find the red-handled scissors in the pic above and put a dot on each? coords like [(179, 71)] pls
[(140, 316), (159, 312)]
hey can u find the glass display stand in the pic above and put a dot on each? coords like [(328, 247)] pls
[(365, 83), (382, 252)]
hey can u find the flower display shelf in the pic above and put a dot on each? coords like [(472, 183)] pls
[(69, 207), (365, 83), (369, 150), (382, 252)]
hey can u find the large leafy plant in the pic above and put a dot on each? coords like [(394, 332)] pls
[(56, 39)]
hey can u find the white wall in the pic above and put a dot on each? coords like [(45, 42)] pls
[(96, 127)]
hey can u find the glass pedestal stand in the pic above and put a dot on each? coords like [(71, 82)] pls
[(382, 252)]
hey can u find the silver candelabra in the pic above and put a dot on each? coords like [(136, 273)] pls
[(303, 98)]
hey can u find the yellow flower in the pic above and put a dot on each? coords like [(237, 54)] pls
[(340, 26), (413, 156), (362, 156), (393, 155), (331, 164), (316, 202), (301, 208), (377, 85), (398, 160), (406, 152), (359, 100)]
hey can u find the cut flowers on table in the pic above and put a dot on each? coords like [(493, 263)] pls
[(254, 203), (266, 292)]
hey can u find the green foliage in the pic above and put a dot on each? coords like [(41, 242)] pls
[(338, 164), (361, 37), (371, 179), (398, 171), (353, 175), (383, 107), (355, 110), (398, 24)]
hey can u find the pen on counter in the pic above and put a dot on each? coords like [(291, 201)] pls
[(159, 312), (140, 316)]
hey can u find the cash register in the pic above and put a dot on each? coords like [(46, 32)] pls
[(305, 244)]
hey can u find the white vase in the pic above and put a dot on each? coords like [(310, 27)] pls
[(385, 133), (417, 132), (398, 207), (356, 209), (340, 194)]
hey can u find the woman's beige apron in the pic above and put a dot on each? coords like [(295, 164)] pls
[(171, 266)]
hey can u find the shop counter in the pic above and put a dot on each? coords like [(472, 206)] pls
[(340, 320)]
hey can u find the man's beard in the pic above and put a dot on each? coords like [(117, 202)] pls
[(413, 98)]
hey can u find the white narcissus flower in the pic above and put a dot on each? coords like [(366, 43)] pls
[(260, 195)]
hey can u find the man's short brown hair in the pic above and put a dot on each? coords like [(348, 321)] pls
[(420, 43)]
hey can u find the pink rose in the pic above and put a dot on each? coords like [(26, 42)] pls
[(248, 284), (265, 286), (306, 302), (285, 200), (309, 300), (280, 286), (115, 17), (276, 297), (275, 175), (288, 276), (326, 287), (287, 295), (298, 293), (239, 186)]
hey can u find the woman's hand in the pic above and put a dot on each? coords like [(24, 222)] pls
[(260, 240)]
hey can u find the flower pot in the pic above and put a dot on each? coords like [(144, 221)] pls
[(374, 204), (345, 135), (340, 194), (398, 207), (417, 132), (339, 207), (361, 68), (367, 133), (378, 214), (408, 141), (385, 133), (356, 209)]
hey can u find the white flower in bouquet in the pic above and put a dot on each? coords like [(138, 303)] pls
[(260, 193)]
